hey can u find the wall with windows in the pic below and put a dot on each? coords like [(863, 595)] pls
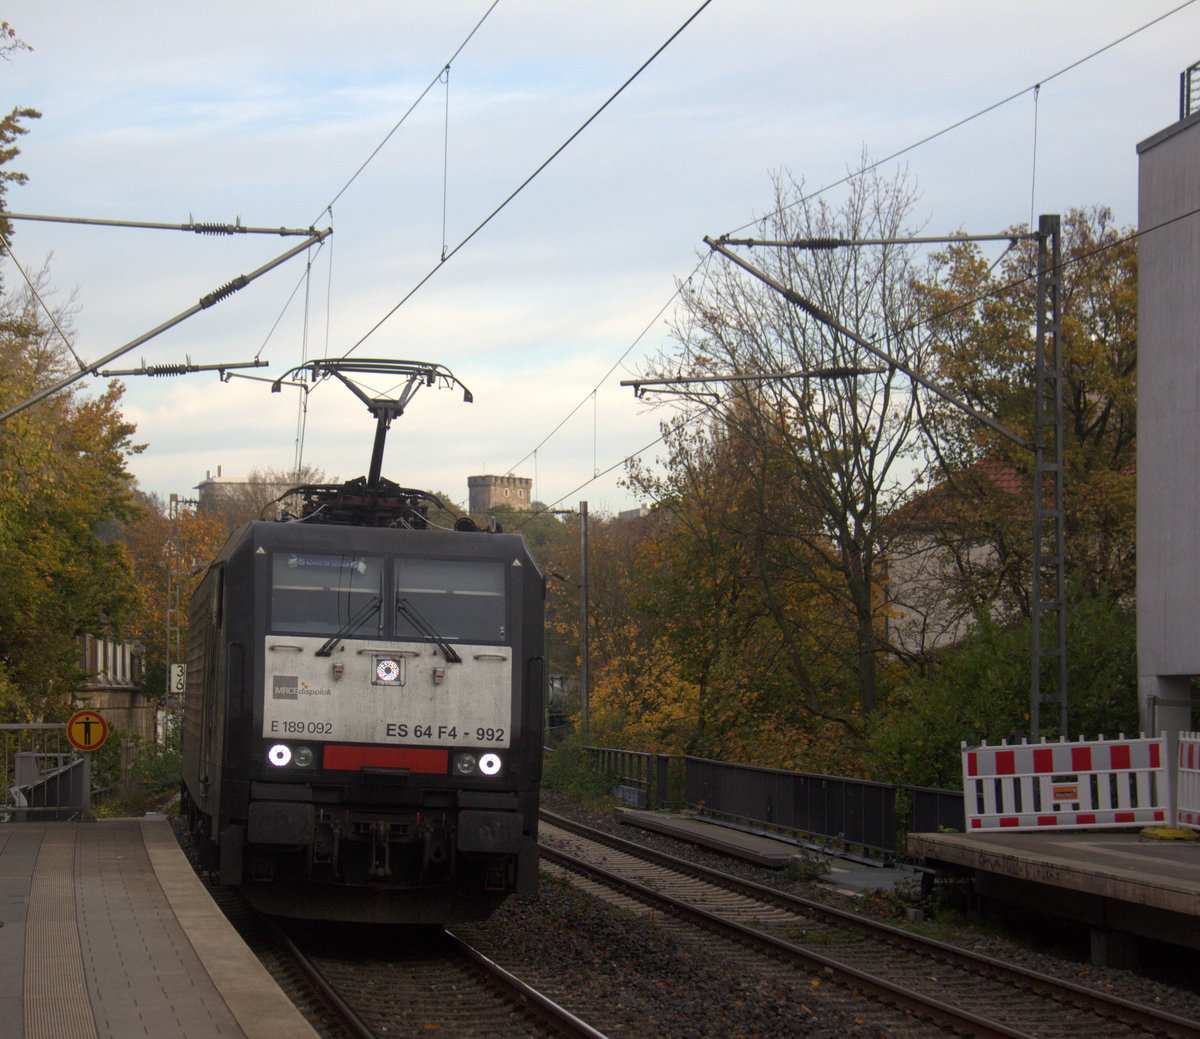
[(488, 492), (113, 685)]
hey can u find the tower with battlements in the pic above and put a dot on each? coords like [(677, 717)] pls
[(489, 492)]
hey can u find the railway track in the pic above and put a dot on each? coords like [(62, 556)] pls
[(411, 981), (926, 986), (370, 983)]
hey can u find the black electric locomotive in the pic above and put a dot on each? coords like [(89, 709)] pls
[(363, 710)]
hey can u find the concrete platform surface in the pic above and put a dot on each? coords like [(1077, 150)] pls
[(1125, 866), (107, 933)]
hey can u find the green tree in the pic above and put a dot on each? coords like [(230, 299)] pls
[(978, 691), (63, 483)]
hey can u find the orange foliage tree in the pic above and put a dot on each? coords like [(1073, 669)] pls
[(160, 546)]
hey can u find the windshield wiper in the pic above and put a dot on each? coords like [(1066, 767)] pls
[(351, 626), (413, 616)]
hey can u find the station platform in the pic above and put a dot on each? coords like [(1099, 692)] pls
[(107, 933), (1124, 885), (850, 876)]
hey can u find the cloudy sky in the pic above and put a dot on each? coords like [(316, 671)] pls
[(278, 114)]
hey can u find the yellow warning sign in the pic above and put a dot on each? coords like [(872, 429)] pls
[(86, 730)]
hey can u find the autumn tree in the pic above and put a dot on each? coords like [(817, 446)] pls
[(982, 317), (750, 644), (698, 590), (11, 128), (63, 486), (827, 437), (638, 695), (166, 546)]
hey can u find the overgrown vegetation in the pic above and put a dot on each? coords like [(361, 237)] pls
[(834, 575), (567, 770), (826, 583), (151, 780)]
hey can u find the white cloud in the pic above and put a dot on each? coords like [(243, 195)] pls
[(264, 111)]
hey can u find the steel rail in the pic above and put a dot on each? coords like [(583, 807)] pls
[(924, 1007), (554, 1014), (350, 1020)]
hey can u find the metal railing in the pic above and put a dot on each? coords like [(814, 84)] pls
[(640, 779), (856, 815), (41, 776)]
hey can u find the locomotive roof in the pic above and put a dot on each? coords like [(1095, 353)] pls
[(271, 535)]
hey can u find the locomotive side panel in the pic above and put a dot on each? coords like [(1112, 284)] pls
[(198, 695), (234, 752)]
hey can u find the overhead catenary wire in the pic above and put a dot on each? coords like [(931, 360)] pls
[(203, 228), (409, 111), (212, 298), (616, 364), (966, 304), (1036, 87), (979, 114), (1037, 91), (446, 161), (529, 180)]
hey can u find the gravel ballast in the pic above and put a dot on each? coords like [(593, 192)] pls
[(628, 975)]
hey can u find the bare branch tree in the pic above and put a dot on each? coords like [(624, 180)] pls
[(830, 457)]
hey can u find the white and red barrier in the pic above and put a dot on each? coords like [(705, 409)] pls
[(1088, 784), (1187, 779)]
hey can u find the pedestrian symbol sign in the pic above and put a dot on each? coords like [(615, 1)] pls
[(86, 730)]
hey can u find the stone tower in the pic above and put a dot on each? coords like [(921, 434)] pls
[(488, 492)]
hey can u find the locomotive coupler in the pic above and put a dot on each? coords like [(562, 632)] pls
[(435, 853), (380, 847)]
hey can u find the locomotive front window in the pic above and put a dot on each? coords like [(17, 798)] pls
[(321, 594), (458, 600)]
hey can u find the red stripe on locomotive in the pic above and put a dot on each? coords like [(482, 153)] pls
[(414, 759)]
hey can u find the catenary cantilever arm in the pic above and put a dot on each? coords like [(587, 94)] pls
[(828, 319)]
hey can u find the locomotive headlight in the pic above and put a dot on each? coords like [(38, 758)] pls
[(279, 755), (304, 756), (388, 671), (467, 764)]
